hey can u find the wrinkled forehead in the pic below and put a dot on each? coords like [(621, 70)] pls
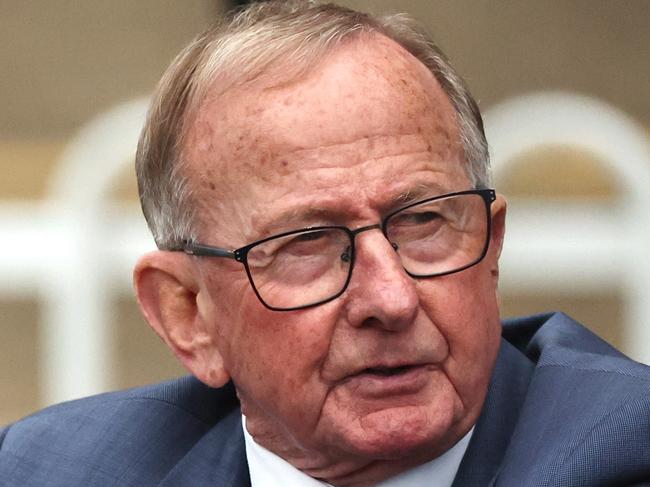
[(368, 88)]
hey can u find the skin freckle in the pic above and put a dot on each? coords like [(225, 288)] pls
[(252, 110)]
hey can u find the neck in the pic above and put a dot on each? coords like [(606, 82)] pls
[(349, 470)]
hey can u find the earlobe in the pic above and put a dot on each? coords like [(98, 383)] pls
[(498, 211), (168, 294)]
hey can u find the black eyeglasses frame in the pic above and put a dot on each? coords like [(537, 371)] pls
[(241, 254)]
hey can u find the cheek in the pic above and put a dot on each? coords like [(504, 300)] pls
[(464, 307), (279, 356)]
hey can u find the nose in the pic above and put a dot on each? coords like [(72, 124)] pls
[(380, 292)]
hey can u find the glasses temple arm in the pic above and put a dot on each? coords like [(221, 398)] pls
[(206, 250)]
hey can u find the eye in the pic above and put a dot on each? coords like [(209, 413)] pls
[(310, 236), (305, 244), (416, 218), (424, 217)]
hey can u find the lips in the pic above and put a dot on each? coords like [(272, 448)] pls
[(383, 381)]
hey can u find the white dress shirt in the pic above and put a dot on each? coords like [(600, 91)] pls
[(269, 470)]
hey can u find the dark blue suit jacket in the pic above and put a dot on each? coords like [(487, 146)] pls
[(563, 409)]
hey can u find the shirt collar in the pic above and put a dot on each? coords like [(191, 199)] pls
[(269, 470)]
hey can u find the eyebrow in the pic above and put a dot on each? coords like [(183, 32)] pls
[(419, 192), (295, 218)]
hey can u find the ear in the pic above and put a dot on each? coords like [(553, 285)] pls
[(167, 287), (498, 211)]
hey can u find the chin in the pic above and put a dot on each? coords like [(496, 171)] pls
[(401, 433)]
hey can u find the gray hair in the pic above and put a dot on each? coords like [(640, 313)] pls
[(263, 38)]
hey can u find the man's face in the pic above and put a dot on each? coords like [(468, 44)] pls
[(342, 146)]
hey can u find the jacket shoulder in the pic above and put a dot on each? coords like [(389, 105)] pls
[(586, 416), (128, 438)]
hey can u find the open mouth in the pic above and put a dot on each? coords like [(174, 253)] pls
[(384, 382), (388, 371)]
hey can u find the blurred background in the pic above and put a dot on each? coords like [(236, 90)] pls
[(564, 87)]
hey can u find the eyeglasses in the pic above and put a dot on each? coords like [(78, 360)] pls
[(311, 266)]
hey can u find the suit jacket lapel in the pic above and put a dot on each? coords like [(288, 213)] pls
[(505, 397), (217, 459)]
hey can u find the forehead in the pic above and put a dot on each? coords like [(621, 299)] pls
[(368, 100)]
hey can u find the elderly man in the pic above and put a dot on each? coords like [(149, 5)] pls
[(317, 182)]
